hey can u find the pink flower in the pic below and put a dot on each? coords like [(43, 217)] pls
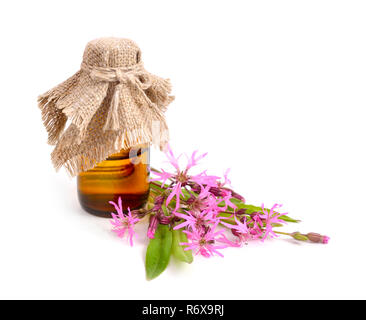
[(227, 196), (163, 176), (225, 190), (227, 181), (325, 239), (174, 161), (201, 210), (197, 220), (218, 189), (192, 161), (153, 225), (269, 218), (123, 223), (240, 229), (255, 226), (176, 191), (181, 178), (203, 201), (203, 242), (203, 179)]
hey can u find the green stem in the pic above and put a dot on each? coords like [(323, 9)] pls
[(284, 233), (157, 184)]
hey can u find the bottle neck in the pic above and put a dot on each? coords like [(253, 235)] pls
[(130, 153)]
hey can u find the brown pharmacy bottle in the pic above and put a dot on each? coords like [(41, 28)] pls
[(124, 174)]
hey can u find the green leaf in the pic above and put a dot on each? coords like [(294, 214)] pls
[(158, 252), (178, 250), (288, 219)]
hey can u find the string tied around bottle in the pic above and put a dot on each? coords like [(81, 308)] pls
[(134, 76)]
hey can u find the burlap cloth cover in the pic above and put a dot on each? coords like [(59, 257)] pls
[(112, 103)]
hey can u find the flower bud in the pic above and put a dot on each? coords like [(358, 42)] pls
[(216, 192), (196, 187), (164, 219), (159, 200), (318, 238), (298, 236), (139, 212), (237, 196), (235, 232), (225, 191), (255, 216), (240, 212), (152, 226)]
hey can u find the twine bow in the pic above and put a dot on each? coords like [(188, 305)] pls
[(135, 77)]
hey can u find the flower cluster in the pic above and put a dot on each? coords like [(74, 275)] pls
[(204, 210)]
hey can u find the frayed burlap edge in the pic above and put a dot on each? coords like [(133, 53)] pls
[(112, 103), (89, 157), (77, 156)]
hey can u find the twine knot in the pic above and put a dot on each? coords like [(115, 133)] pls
[(135, 75), (125, 77)]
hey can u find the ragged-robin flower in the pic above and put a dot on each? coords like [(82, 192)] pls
[(203, 201), (239, 229), (204, 242), (271, 217), (196, 220), (123, 223), (181, 178)]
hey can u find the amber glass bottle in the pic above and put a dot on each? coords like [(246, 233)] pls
[(124, 174)]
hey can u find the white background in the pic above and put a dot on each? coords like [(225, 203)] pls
[(275, 90)]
